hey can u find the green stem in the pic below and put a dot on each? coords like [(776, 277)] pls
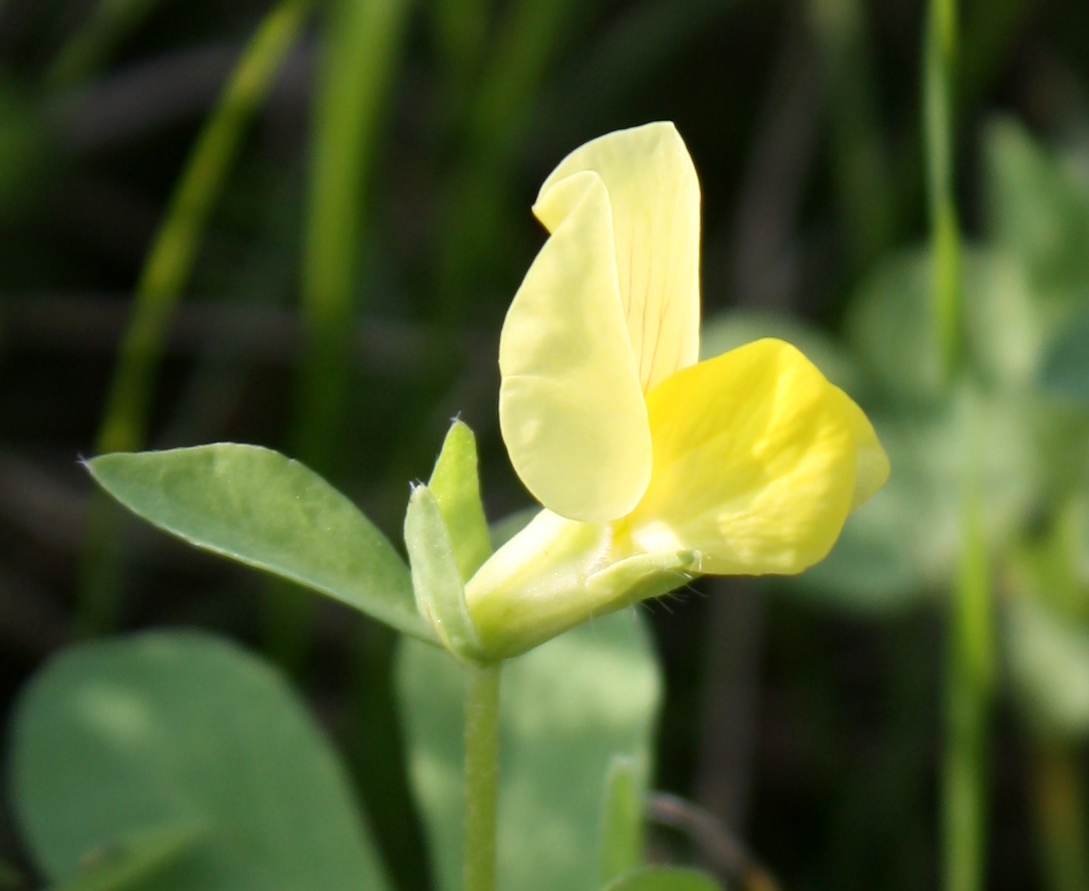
[(968, 694), (481, 774), (165, 273), (970, 663)]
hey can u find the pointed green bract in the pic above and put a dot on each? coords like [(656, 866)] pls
[(664, 878), (455, 483), (440, 594), (170, 730), (256, 506), (568, 709)]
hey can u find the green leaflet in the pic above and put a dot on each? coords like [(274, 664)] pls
[(256, 506), (175, 733)]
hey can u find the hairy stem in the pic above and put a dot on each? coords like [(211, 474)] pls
[(481, 775)]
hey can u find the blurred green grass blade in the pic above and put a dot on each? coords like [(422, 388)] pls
[(90, 47), (361, 49), (170, 260), (254, 505), (969, 683), (939, 65), (568, 708), (970, 658), (622, 820), (176, 729), (455, 483), (362, 45), (440, 592), (664, 878), (165, 273)]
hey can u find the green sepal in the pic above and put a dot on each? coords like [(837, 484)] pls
[(125, 746), (257, 507), (436, 578), (642, 577), (664, 878), (455, 484)]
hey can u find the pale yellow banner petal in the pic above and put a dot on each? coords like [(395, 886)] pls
[(571, 408), (873, 464), (754, 463), (655, 198)]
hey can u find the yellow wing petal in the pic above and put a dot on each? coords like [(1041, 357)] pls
[(570, 406), (655, 198), (754, 463)]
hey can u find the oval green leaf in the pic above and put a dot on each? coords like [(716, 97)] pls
[(256, 506), (165, 731)]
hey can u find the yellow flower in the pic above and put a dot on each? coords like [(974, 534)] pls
[(652, 467)]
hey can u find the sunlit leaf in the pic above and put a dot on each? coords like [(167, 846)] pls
[(260, 508), (172, 730), (568, 708)]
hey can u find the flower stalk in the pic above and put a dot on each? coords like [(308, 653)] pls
[(481, 774)]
